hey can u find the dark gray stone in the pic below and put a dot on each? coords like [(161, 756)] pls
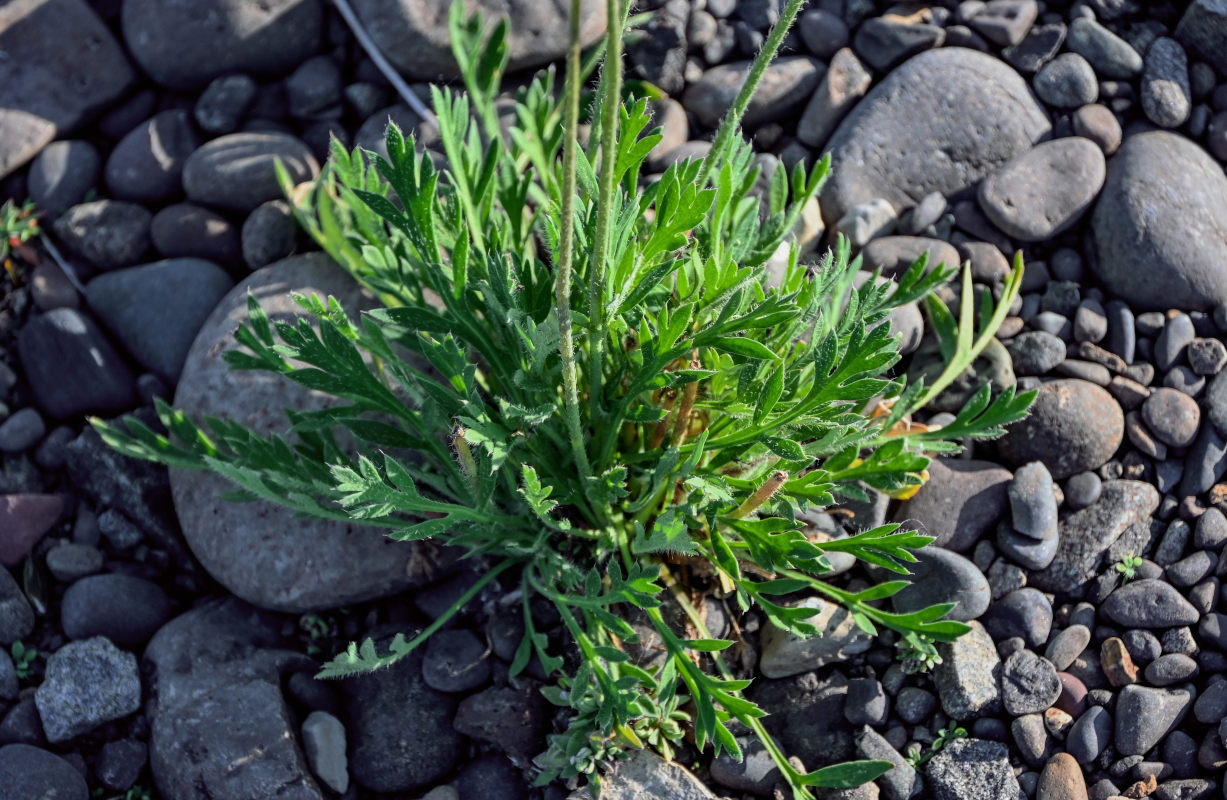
[(147, 164), (1112, 57), (1035, 352), (62, 66), (455, 661), (236, 171), (1145, 715), (988, 117), (30, 773), (1170, 668), (1025, 613), (71, 367), (184, 230), (1205, 463), (1073, 426), (1149, 604), (186, 46), (972, 769), (513, 719), (961, 501), (1090, 735), (270, 234), (885, 42), (1203, 29), (62, 175), (1033, 502), (224, 103), (125, 609), (940, 576), (1173, 416), (1029, 683), (968, 679), (788, 82), (120, 762), (1005, 22), (156, 310), (1165, 84), (87, 683), (1156, 225), (755, 773), (1044, 191), (844, 84), (1066, 82), (106, 233)]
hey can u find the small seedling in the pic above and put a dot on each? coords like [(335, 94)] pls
[(918, 758), (18, 225), (23, 659), (1127, 567), (917, 653)]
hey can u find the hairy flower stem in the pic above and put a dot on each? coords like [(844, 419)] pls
[(566, 250), (732, 120), (611, 85)]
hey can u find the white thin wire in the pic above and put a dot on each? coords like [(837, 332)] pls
[(389, 72)]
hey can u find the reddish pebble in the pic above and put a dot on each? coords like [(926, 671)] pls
[(1117, 663), (1061, 780), (1072, 699), (24, 519)]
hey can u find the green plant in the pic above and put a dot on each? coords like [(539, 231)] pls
[(1127, 566), (18, 225), (601, 391), (23, 659), (137, 792), (917, 653), (918, 758)]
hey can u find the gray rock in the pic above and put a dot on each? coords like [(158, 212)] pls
[(147, 164), (313, 90), (123, 608), (899, 782), (62, 66), (1206, 356), (415, 36), (1086, 535), (894, 254), (1090, 735), (960, 502), (16, 616), (156, 310), (62, 175), (1023, 613), (323, 740), (1067, 645), (1170, 669), (224, 102), (492, 777), (1173, 416), (220, 728), (784, 654), (455, 661), (1037, 48), (186, 46), (1112, 57), (1035, 352), (184, 230), (1156, 225), (846, 81), (805, 714), (1044, 191), (1211, 705), (823, 32), (915, 705), (87, 683), (270, 234), (30, 773), (1097, 123), (21, 431), (968, 679), (261, 552), (988, 117), (1203, 29), (236, 171), (1031, 738), (788, 83), (1005, 22), (1029, 683), (646, 775), (1027, 552), (1165, 84), (940, 576), (1033, 501), (1205, 463), (71, 367), (755, 772), (883, 42), (513, 719), (972, 769), (106, 233), (1177, 334), (1145, 715), (1067, 81), (120, 762), (865, 222), (10, 685), (1073, 426), (1149, 604)]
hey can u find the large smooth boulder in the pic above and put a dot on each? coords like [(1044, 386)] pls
[(184, 45), (1160, 226), (414, 34), (61, 66), (941, 121), (262, 552)]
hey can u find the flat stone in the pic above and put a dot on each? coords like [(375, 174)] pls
[(1149, 604), (894, 254), (513, 719), (156, 310), (1145, 715), (1044, 191), (220, 728), (1112, 57), (645, 774), (184, 230), (968, 679), (71, 366), (1159, 225), (1024, 613), (106, 233), (805, 714), (1073, 426), (62, 66), (972, 769), (236, 171), (261, 552), (30, 773), (787, 83), (184, 46), (147, 164), (87, 683), (883, 42), (846, 81), (987, 116), (784, 654), (960, 502), (1029, 683), (940, 576), (62, 175), (1027, 552), (124, 608), (1005, 22), (415, 35), (1086, 535)]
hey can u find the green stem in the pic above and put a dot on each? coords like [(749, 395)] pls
[(610, 106), (732, 120), (562, 284)]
